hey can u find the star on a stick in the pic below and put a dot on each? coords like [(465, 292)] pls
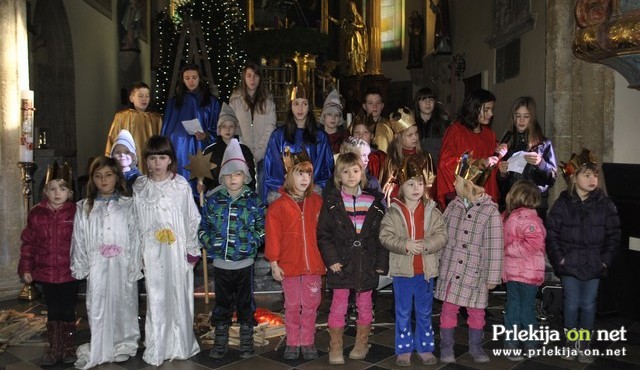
[(200, 166)]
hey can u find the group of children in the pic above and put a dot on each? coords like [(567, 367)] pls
[(351, 234)]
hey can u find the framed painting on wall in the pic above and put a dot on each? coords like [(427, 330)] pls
[(103, 6)]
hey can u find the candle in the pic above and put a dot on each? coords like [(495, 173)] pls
[(349, 118), (26, 126)]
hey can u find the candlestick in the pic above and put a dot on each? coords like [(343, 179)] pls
[(27, 170), (26, 126)]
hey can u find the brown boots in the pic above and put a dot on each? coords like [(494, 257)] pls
[(66, 334), (360, 350), (52, 355), (336, 356)]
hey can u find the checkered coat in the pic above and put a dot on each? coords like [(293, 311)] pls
[(473, 255)]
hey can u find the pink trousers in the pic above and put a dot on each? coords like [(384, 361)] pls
[(340, 306), (449, 316), (302, 295)]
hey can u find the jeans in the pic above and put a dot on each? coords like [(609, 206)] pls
[(302, 295), (579, 295), (419, 292), (340, 306), (520, 308)]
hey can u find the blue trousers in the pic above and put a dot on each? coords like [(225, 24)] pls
[(418, 292), (520, 309), (579, 295)]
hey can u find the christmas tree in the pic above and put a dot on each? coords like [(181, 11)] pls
[(223, 23)]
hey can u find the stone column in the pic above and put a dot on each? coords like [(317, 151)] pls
[(14, 74), (579, 95), (373, 23)]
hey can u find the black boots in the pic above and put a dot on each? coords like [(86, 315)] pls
[(220, 342), (246, 340)]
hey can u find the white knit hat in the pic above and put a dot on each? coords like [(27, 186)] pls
[(332, 104), (233, 161), (125, 138), (228, 114)]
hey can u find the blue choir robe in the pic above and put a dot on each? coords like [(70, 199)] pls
[(183, 143), (320, 154)]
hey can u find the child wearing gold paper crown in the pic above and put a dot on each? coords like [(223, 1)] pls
[(300, 133), (471, 262), (413, 230), (292, 249), (45, 258), (167, 219), (103, 251), (232, 230), (583, 233), (406, 141)]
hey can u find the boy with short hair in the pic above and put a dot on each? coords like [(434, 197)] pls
[(373, 105), (232, 230)]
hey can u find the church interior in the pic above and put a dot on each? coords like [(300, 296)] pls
[(67, 65)]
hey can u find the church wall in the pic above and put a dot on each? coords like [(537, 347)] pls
[(96, 53), (472, 24), (625, 129)]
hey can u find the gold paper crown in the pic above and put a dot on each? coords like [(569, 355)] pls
[(585, 158), (290, 160), (403, 121), (299, 91), (473, 170), (59, 172), (417, 166)]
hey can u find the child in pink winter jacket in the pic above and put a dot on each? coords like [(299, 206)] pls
[(524, 262)]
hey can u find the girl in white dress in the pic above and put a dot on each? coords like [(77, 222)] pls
[(102, 251), (167, 219)]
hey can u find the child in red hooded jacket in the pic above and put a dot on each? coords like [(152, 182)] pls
[(45, 258)]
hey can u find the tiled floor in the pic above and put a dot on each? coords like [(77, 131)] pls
[(381, 354)]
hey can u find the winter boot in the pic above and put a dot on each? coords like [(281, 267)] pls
[(475, 346), (446, 345), (336, 356), (52, 356), (67, 334), (246, 340), (360, 350), (584, 351), (570, 347), (220, 341)]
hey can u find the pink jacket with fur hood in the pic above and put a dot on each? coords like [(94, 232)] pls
[(524, 247)]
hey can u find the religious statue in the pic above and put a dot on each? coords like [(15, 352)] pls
[(442, 40), (416, 43), (356, 40)]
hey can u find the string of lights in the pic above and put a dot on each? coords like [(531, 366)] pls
[(223, 23)]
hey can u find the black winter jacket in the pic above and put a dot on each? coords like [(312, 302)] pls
[(360, 254), (586, 234)]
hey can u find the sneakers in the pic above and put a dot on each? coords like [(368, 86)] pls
[(121, 358), (291, 353), (404, 359), (309, 352), (428, 358)]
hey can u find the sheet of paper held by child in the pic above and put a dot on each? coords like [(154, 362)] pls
[(517, 162), (192, 126)]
